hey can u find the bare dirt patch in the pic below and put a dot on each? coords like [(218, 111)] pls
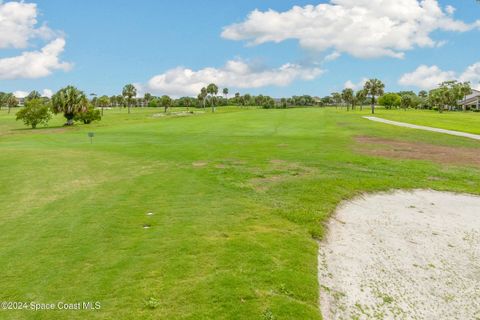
[(402, 255), (199, 164), (398, 149), (279, 171)]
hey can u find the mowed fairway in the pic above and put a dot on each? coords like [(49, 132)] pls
[(238, 198)]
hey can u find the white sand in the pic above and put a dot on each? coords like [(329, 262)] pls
[(402, 255), (414, 126)]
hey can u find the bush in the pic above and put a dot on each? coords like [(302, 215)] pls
[(89, 116), (34, 113)]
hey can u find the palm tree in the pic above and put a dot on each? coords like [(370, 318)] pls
[(103, 102), (202, 96), (165, 102), (374, 88), (11, 101), (360, 97), (348, 96), (33, 95), (337, 98), (225, 92), (129, 91), (69, 101), (212, 90), (147, 98)]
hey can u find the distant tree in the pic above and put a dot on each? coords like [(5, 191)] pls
[(129, 91), (166, 102), (349, 97), (147, 98), (2, 99), (225, 93), (212, 90), (33, 95), (69, 101), (374, 88), (390, 100), (337, 98), (268, 103), (202, 96), (360, 96), (283, 102), (89, 115), (423, 94), (10, 101), (247, 99), (464, 89), (103, 102), (35, 112)]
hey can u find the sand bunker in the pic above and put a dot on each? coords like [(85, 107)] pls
[(402, 255)]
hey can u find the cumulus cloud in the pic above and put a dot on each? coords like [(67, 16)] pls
[(20, 94), (18, 22), (35, 64), (47, 93), (235, 74), (19, 26), (429, 77), (362, 28), (355, 86)]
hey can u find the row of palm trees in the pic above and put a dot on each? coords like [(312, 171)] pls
[(372, 89)]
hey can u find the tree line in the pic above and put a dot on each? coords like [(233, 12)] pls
[(76, 106)]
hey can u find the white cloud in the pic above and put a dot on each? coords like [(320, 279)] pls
[(235, 74), (355, 86), (35, 64), (18, 22), (426, 77), (47, 93), (472, 74), (429, 77), (362, 28), (332, 56), (18, 27), (20, 94)]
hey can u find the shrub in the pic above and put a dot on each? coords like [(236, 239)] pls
[(34, 113), (88, 116)]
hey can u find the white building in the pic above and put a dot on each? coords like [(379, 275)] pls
[(472, 101)]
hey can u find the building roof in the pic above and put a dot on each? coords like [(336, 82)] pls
[(471, 98)]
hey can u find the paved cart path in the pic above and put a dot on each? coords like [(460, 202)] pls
[(414, 126)]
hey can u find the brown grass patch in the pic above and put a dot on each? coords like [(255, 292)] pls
[(277, 172), (398, 149)]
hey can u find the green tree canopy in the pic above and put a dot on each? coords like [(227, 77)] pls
[(69, 101)]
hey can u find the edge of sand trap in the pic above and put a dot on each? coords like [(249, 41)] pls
[(402, 255)]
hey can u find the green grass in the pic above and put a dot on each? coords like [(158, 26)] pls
[(239, 198), (459, 121)]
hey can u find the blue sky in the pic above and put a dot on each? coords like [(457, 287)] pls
[(111, 43)]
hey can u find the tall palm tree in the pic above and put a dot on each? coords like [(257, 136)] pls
[(69, 101), (225, 92), (349, 97), (33, 95), (360, 97), (374, 88), (166, 102), (212, 90), (129, 91), (203, 96), (147, 98), (103, 102)]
